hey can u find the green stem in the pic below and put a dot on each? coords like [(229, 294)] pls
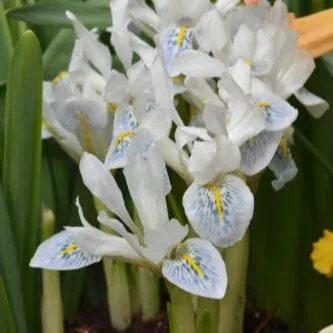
[(51, 304), (135, 290), (207, 316), (119, 300), (181, 310), (118, 287), (232, 305), (149, 288)]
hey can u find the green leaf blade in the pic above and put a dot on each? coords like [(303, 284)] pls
[(22, 156), (53, 14)]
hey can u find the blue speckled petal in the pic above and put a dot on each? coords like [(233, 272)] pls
[(283, 166), (125, 128), (174, 41), (258, 152), (278, 113), (61, 252), (221, 212), (198, 268)]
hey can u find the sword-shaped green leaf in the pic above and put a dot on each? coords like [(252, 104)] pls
[(53, 14), (11, 300), (22, 158)]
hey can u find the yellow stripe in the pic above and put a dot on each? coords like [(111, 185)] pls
[(193, 264), (263, 105), (181, 35), (251, 141), (69, 249), (124, 135), (57, 79), (218, 200), (85, 133), (284, 149)]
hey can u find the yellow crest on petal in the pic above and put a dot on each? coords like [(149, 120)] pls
[(322, 254)]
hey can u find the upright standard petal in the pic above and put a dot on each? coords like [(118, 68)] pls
[(94, 50), (117, 88), (220, 212), (148, 182), (210, 26), (125, 127), (102, 185), (258, 152), (198, 268), (283, 166), (61, 252), (163, 88)]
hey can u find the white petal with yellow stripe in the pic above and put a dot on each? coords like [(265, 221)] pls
[(220, 212), (175, 40), (61, 252), (278, 113), (125, 128), (258, 152), (198, 268)]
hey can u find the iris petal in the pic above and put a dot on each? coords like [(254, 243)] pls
[(278, 113), (61, 252), (125, 128), (283, 166), (198, 268), (175, 40), (220, 213), (258, 152)]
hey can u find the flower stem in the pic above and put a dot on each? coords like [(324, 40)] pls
[(118, 286), (51, 303), (119, 300), (231, 310), (207, 316), (149, 294), (181, 310)]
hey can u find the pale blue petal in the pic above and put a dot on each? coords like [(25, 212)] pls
[(278, 113), (125, 128), (174, 41), (61, 252), (258, 152), (198, 268), (283, 166), (221, 212)]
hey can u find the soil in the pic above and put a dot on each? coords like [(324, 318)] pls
[(97, 321)]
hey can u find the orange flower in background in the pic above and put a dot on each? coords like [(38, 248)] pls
[(322, 254), (251, 2)]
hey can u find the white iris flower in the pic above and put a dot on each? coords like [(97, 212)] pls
[(74, 111), (158, 243)]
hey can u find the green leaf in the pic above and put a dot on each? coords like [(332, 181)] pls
[(286, 224), (6, 317), (53, 14), (11, 290), (22, 157), (6, 45), (57, 55)]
